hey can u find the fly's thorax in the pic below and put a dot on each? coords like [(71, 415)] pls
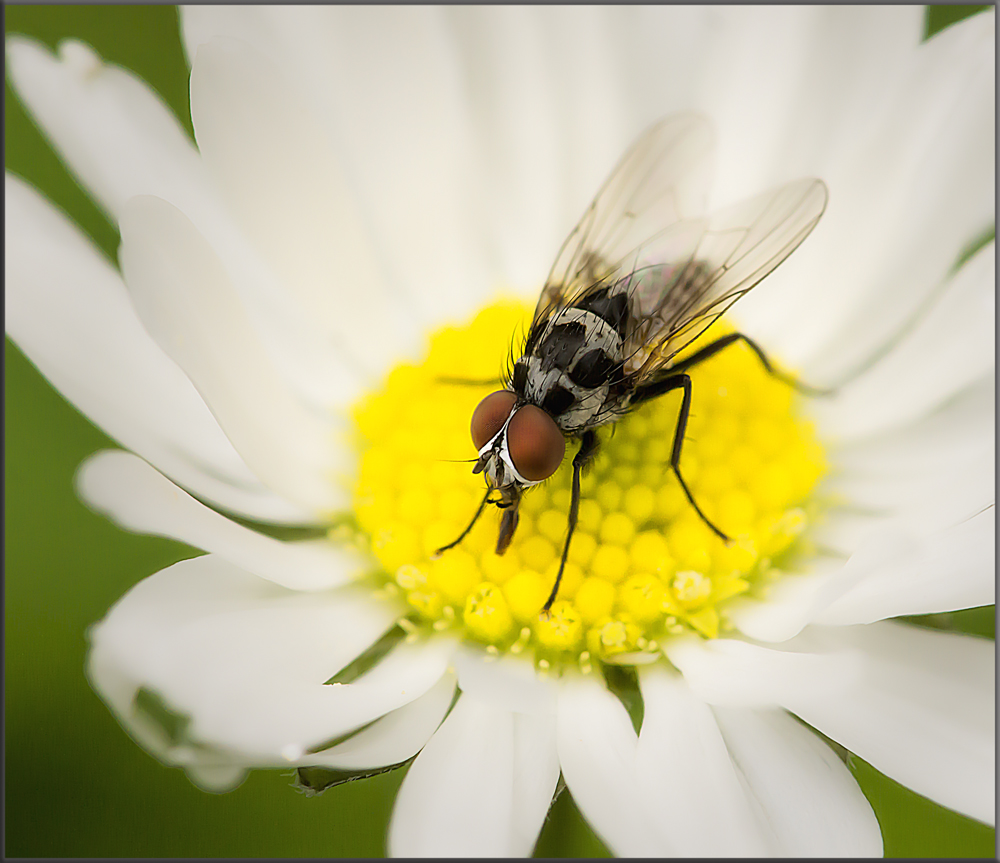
[(572, 367)]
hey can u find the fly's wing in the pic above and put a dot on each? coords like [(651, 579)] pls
[(685, 277), (662, 180)]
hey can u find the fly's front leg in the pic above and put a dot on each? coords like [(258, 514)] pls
[(676, 381), (588, 448), (475, 518), (710, 350)]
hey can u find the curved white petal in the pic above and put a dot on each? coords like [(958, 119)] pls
[(507, 682), (503, 55), (920, 504), (457, 799), (945, 571), (922, 714), (735, 673), (411, 158), (481, 786), (939, 129), (186, 301), (245, 661), (958, 433), (951, 347), (536, 774), (913, 167), (794, 601), (113, 130), (138, 498), (597, 751), (67, 309), (284, 187), (806, 794), (895, 568), (686, 778), (121, 141), (916, 704), (396, 736)]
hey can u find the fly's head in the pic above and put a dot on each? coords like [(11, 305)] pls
[(519, 446)]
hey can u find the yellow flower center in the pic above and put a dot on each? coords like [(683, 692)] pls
[(642, 565)]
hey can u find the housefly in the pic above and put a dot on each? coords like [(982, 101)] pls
[(639, 278)]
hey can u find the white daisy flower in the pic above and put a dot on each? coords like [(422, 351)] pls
[(368, 182)]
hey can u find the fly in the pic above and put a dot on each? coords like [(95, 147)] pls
[(639, 278)]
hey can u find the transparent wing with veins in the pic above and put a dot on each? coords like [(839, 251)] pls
[(663, 179), (684, 278)]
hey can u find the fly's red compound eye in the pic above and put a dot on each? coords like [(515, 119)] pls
[(536, 444), (490, 415)]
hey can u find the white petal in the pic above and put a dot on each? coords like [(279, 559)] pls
[(410, 158), (505, 60), (284, 186), (750, 91), (457, 799), (809, 798), (536, 773), (912, 169), (923, 713), (687, 780), (187, 303), (791, 603), (960, 432), (659, 53), (584, 75), (886, 546), (508, 682), (121, 141), (140, 499), (395, 737), (246, 661), (67, 309), (937, 555), (939, 129), (916, 704), (946, 571), (112, 129), (734, 673), (597, 751), (950, 348), (786, 110), (467, 754)]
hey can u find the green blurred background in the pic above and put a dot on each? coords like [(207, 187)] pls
[(76, 786)]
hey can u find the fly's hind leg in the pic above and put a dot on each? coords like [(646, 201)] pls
[(710, 350), (588, 448), (675, 381)]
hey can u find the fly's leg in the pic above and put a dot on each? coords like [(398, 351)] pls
[(674, 381), (465, 533), (588, 447), (713, 348)]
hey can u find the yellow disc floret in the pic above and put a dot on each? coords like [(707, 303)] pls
[(642, 566)]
